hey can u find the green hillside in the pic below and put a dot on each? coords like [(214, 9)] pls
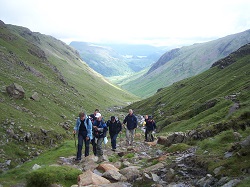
[(65, 86), (208, 107), (178, 64)]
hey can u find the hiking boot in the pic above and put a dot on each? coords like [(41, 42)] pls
[(77, 159), (100, 159), (113, 150)]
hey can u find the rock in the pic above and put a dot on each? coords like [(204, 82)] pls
[(114, 175), (16, 91), (89, 163), (246, 143), (177, 137), (126, 163), (8, 162), (206, 181), (155, 177), (162, 140), (89, 178), (118, 165), (154, 168), (35, 96), (106, 167), (232, 183), (217, 170), (228, 154), (121, 154), (222, 181), (10, 132), (36, 166), (131, 173), (154, 143), (27, 136)]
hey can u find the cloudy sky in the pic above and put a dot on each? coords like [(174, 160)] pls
[(157, 22)]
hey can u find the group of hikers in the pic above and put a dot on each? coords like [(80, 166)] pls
[(93, 129)]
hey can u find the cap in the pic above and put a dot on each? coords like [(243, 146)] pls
[(98, 115), (150, 117)]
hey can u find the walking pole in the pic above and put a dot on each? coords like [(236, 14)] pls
[(75, 139)]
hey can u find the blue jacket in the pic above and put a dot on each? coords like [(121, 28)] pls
[(131, 121), (102, 129), (87, 124)]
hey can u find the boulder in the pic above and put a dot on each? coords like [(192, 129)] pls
[(154, 168), (106, 167), (90, 178), (16, 91), (114, 175), (35, 96), (131, 173)]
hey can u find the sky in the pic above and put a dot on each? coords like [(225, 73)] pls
[(155, 22)]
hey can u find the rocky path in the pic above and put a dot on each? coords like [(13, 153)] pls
[(143, 164)]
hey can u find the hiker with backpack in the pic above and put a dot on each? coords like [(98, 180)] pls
[(93, 118), (115, 128), (84, 129), (131, 122), (100, 130), (150, 127), (144, 126)]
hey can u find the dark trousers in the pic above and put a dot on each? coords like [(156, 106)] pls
[(149, 136), (81, 138), (113, 140)]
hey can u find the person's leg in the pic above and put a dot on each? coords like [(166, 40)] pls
[(79, 150), (132, 134), (146, 134), (152, 136), (114, 141), (149, 136), (127, 137), (99, 150), (86, 147)]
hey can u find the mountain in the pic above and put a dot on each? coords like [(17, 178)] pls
[(57, 85), (210, 111), (181, 63), (117, 59)]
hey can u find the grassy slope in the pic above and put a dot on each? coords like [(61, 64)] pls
[(184, 106), (60, 101), (191, 61)]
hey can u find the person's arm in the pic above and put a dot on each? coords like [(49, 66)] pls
[(76, 128), (89, 129)]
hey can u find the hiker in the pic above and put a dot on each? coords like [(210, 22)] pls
[(144, 125), (131, 121), (84, 128), (93, 118), (114, 127), (150, 127), (100, 130)]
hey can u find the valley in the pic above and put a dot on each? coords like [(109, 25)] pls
[(198, 96)]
